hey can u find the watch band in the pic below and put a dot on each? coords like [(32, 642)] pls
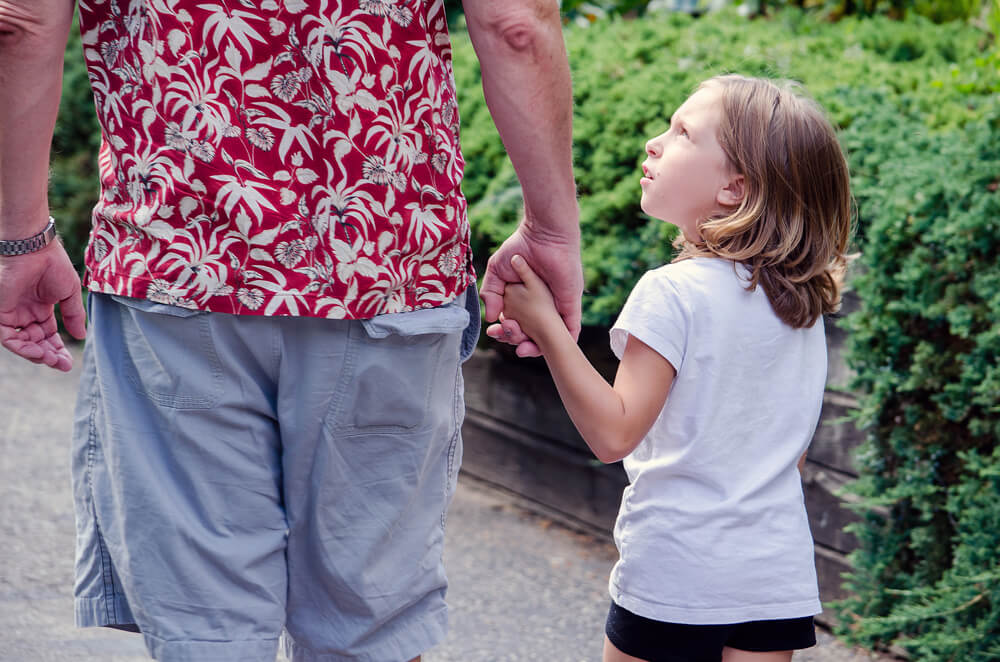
[(31, 244)]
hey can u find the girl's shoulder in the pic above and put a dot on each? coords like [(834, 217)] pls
[(698, 272)]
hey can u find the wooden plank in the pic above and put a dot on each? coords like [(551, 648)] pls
[(522, 394), (584, 491), (836, 438), (830, 566), (827, 514), (838, 374)]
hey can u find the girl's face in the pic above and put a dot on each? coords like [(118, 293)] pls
[(686, 171)]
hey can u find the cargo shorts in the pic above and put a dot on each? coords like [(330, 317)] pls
[(242, 480)]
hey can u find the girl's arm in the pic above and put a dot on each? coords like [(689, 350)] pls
[(611, 419)]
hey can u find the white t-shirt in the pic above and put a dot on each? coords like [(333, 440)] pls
[(712, 527)]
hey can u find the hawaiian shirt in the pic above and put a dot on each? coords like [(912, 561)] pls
[(276, 157)]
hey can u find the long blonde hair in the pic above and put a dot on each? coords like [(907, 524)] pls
[(793, 225)]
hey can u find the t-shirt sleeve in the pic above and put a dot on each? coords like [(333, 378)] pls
[(656, 314)]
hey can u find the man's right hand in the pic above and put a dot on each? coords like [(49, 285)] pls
[(556, 260), (30, 286)]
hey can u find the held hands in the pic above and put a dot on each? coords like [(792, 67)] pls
[(554, 260), (30, 286), (529, 304)]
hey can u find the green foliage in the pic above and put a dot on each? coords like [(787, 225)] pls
[(939, 11), (925, 347), (629, 76)]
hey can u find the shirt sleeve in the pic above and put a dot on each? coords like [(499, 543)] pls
[(656, 314)]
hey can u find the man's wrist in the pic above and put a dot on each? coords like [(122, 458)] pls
[(566, 235), (32, 244)]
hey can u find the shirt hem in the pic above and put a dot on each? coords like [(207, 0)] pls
[(139, 288), (715, 615)]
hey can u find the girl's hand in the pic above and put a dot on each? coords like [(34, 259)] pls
[(554, 256), (530, 303)]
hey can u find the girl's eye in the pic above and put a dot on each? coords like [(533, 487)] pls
[(684, 132)]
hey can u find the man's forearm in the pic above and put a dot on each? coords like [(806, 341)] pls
[(526, 82), (32, 41)]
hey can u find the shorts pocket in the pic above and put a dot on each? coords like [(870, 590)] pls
[(170, 355), (398, 366)]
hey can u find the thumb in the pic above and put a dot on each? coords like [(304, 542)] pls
[(524, 272), (74, 315)]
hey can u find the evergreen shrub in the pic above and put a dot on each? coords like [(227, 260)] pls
[(925, 346), (630, 75)]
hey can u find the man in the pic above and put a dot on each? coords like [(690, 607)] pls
[(268, 427)]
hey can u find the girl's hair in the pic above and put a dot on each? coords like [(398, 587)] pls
[(793, 225)]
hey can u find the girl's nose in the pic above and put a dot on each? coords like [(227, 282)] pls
[(652, 147)]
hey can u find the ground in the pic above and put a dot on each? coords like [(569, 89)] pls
[(523, 586)]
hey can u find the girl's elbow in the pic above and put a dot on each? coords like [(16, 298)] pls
[(610, 452), (605, 457)]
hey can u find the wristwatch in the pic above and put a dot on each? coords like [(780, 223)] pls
[(31, 244)]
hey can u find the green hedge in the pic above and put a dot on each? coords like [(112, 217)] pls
[(629, 75), (925, 346), (918, 112)]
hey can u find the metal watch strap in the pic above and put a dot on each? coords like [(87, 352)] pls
[(31, 244)]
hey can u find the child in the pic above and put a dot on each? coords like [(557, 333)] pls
[(719, 389)]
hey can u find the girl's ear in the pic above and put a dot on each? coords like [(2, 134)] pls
[(732, 194)]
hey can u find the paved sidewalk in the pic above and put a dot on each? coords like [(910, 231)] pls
[(522, 586)]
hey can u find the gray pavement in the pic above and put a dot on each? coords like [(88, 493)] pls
[(523, 587)]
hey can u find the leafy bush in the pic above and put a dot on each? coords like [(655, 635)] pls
[(629, 75), (925, 346), (936, 10)]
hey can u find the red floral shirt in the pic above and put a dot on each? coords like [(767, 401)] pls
[(297, 158)]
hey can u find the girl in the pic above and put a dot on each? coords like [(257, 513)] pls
[(723, 367)]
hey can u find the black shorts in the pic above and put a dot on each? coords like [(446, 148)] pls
[(656, 641)]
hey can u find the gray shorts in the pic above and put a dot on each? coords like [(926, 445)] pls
[(237, 477)]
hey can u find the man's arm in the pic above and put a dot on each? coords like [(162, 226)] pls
[(526, 83), (33, 37)]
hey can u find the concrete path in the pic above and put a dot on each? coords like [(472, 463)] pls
[(523, 587)]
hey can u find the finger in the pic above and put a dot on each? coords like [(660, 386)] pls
[(61, 360), (569, 308), (9, 332), (512, 331), (74, 315), (25, 349), (573, 322), (492, 305), (527, 276), (35, 332), (491, 293), (496, 331), (55, 353), (528, 349)]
